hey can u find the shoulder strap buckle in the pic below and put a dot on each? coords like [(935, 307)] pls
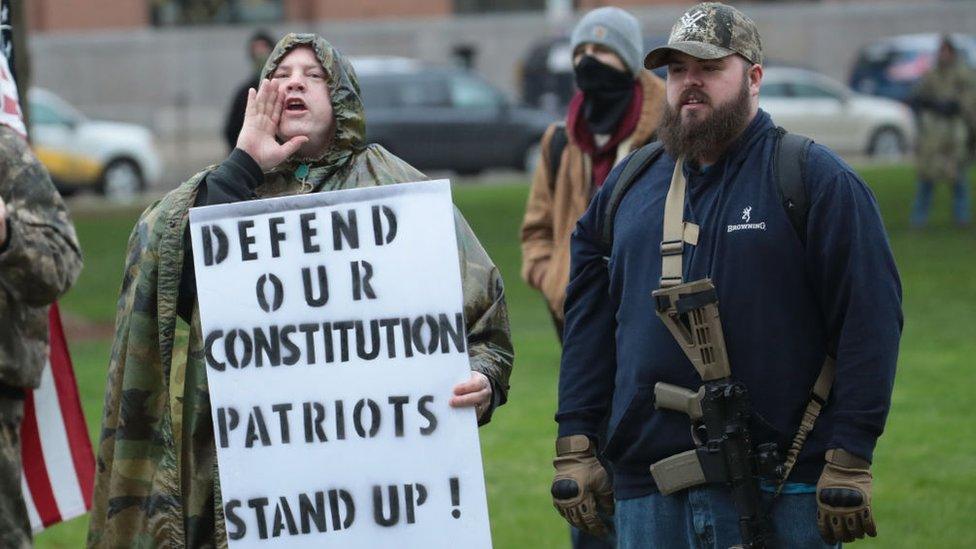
[(672, 247)]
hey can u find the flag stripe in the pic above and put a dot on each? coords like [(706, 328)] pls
[(35, 470), (35, 519), (57, 451), (82, 456)]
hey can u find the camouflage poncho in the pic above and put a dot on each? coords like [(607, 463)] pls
[(156, 472), (39, 261)]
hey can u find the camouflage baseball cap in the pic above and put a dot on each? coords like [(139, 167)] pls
[(710, 30)]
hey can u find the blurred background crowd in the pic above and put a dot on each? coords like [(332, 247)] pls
[(461, 85)]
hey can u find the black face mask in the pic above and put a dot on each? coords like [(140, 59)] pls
[(606, 94)]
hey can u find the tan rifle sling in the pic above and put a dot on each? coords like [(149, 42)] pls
[(676, 230)]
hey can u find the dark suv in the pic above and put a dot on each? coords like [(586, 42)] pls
[(446, 118), (891, 67)]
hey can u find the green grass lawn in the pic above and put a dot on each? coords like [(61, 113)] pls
[(925, 464)]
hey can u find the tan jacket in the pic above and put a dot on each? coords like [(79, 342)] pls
[(554, 207)]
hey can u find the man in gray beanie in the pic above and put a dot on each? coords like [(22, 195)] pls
[(615, 29), (616, 110)]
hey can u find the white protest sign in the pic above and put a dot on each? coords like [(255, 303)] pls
[(334, 333)]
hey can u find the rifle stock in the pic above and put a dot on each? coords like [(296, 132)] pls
[(690, 312)]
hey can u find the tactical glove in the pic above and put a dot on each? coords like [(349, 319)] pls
[(844, 498), (581, 489)]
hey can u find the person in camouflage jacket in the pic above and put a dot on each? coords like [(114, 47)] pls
[(156, 483), (945, 102), (39, 260)]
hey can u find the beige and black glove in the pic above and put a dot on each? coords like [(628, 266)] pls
[(581, 489), (844, 498)]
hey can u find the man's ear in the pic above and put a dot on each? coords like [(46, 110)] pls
[(755, 75)]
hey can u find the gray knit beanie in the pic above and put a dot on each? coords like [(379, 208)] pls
[(615, 29)]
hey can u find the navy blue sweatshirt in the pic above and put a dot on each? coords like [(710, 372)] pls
[(783, 305)]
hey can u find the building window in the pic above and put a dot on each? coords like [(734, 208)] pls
[(167, 13)]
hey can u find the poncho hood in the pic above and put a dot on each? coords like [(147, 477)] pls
[(347, 107)]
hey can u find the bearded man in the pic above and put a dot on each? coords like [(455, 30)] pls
[(790, 296), (156, 481)]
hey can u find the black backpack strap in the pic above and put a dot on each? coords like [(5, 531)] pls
[(636, 164), (790, 153), (557, 144)]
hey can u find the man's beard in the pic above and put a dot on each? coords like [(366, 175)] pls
[(710, 135)]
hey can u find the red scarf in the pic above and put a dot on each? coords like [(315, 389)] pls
[(604, 157)]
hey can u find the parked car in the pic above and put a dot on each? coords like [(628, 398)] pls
[(447, 118), (546, 72), (116, 159), (892, 66), (830, 113)]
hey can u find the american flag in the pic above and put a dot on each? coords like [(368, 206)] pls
[(59, 467), (911, 69), (10, 114), (58, 463)]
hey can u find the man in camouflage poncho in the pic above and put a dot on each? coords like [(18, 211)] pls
[(945, 101), (156, 483), (39, 260)]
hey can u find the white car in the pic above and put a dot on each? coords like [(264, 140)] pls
[(830, 113), (119, 160)]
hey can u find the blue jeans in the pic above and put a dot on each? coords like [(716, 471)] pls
[(960, 201), (582, 540), (705, 517)]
